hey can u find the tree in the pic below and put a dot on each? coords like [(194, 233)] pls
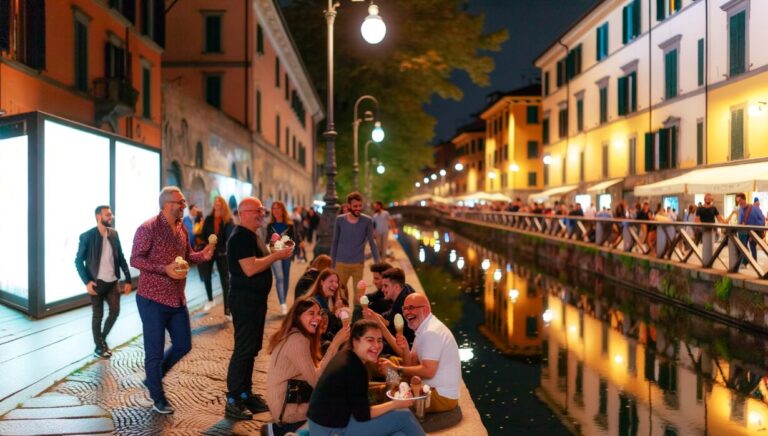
[(427, 41)]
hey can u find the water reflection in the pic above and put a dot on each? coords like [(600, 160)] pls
[(614, 360)]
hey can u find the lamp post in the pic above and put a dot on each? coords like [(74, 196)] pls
[(377, 134), (367, 175), (373, 32)]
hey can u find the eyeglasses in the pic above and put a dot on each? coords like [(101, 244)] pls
[(180, 202), (262, 210), (412, 308)]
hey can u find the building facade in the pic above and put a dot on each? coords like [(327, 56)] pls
[(638, 91), (242, 64), (469, 143)]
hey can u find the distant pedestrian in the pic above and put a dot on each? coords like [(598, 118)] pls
[(251, 279), (313, 220), (749, 215), (351, 232), (194, 224), (282, 224), (218, 223), (99, 261), (382, 224), (161, 251)]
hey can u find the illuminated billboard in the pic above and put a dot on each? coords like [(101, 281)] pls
[(14, 231)]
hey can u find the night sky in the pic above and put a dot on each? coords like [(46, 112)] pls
[(533, 25)]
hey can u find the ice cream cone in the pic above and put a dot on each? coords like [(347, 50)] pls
[(399, 323)]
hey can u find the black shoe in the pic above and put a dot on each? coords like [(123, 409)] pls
[(162, 407), (101, 354), (105, 349), (237, 410), (256, 404)]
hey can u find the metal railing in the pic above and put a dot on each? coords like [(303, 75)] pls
[(719, 246)]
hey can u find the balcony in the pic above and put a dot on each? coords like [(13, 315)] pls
[(115, 98)]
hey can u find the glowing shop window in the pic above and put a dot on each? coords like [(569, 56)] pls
[(137, 185), (585, 200), (76, 181), (14, 191)]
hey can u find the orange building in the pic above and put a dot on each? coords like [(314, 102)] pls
[(239, 58), (95, 62), (470, 158)]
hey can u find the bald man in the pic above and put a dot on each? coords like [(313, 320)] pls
[(435, 354), (251, 281)]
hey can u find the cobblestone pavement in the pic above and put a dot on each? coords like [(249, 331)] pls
[(195, 387)]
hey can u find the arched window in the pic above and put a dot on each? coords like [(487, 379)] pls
[(233, 171), (173, 175), (199, 155)]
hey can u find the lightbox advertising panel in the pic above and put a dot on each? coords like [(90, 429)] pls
[(76, 181), (137, 187), (14, 191)]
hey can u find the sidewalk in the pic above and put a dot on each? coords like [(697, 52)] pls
[(84, 401)]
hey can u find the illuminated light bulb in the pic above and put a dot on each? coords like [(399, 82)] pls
[(458, 167), (486, 264), (460, 263), (514, 294), (618, 358), (422, 255), (373, 28), (547, 316), (497, 275)]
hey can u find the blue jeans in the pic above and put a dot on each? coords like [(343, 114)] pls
[(400, 422), (749, 243), (281, 270), (156, 318)]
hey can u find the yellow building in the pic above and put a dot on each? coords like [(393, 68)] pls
[(467, 174), (513, 141)]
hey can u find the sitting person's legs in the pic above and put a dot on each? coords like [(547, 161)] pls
[(438, 403)]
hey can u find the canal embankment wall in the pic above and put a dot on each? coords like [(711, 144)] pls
[(732, 298)]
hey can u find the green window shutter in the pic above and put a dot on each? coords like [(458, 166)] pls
[(632, 84), (736, 43), (545, 131), (560, 72), (624, 25), (546, 83), (622, 88), (664, 153), (603, 105), (649, 152), (146, 93), (678, 5), (670, 74), (580, 115), (532, 114), (599, 44), (699, 143), (737, 134), (673, 147), (533, 149), (700, 49), (660, 12), (258, 111), (635, 18), (259, 39)]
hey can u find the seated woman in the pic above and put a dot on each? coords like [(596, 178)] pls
[(339, 404), (306, 281), (326, 293), (295, 349)]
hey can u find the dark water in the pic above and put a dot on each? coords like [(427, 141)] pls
[(611, 359)]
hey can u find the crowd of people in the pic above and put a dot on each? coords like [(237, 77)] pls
[(336, 342)]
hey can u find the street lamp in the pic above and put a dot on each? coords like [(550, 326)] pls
[(331, 207), (377, 134), (458, 167), (373, 28), (380, 169)]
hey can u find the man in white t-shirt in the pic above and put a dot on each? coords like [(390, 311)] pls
[(435, 354)]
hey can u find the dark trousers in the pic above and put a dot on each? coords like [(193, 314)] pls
[(206, 271), (249, 312), (749, 243), (105, 291), (156, 318)]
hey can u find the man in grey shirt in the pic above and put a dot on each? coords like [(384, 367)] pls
[(350, 233), (382, 222)]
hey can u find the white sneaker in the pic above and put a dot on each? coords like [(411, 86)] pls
[(208, 306), (284, 309)]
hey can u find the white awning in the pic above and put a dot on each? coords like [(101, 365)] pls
[(602, 186), (718, 180), (484, 196), (560, 190), (426, 197)]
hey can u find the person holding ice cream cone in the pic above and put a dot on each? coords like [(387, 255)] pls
[(395, 290)]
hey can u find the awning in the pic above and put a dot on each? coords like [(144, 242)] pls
[(484, 196), (718, 180), (560, 190), (426, 197), (602, 186)]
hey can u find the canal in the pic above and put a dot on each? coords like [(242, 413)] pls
[(547, 350)]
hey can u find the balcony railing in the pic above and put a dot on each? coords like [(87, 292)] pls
[(115, 98)]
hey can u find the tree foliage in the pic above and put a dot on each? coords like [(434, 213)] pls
[(426, 42)]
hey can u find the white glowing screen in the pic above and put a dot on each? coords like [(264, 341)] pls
[(137, 186), (13, 222), (76, 181)]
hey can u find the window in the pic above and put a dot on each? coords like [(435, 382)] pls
[(506, 152), (504, 178), (602, 42), (665, 8), (259, 39), (630, 20), (287, 88), (627, 93), (670, 74), (581, 166), (564, 170), (148, 10), (700, 63), (603, 105), (212, 33), (287, 139), (532, 178), (81, 52), (699, 142), (233, 170), (661, 149), (632, 146), (146, 92), (213, 90), (546, 83), (126, 7), (277, 72), (25, 36), (560, 72), (546, 175), (258, 111), (199, 155), (605, 161), (569, 67), (580, 115), (302, 155), (277, 132), (533, 149), (737, 42), (737, 134), (114, 59), (293, 148), (650, 152), (562, 123), (532, 114), (545, 131)]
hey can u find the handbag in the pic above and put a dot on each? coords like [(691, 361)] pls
[(296, 392)]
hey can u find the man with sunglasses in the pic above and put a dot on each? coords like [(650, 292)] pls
[(435, 354), (162, 252)]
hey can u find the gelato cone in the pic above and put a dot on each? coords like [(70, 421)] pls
[(364, 302), (344, 316), (416, 385), (399, 323), (213, 239)]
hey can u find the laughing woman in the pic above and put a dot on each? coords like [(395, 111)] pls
[(295, 361), (339, 404)]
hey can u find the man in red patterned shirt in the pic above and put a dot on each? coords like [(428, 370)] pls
[(162, 253)]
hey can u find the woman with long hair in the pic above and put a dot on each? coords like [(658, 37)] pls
[(339, 403), (218, 223), (280, 223), (326, 293), (306, 281), (295, 350)]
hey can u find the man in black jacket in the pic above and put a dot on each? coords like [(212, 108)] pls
[(99, 261)]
